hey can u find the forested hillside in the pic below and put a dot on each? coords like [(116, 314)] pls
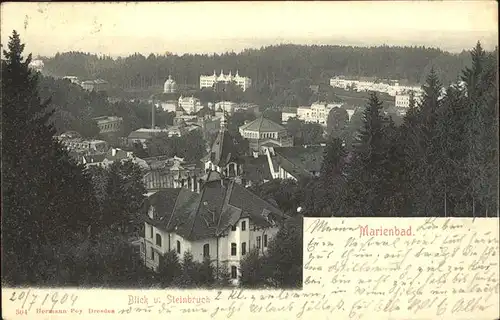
[(272, 66)]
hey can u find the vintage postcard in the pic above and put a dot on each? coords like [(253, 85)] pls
[(231, 160)]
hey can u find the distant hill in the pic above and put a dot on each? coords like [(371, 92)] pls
[(271, 66)]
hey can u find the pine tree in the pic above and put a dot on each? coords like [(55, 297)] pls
[(332, 179), (428, 193), (169, 268), (367, 168), (284, 258), (124, 197), (482, 125), (48, 199), (252, 270), (206, 272)]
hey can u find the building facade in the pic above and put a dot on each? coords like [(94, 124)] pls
[(317, 112), (208, 81), (189, 104), (109, 124), (288, 113), (222, 223), (402, 101)]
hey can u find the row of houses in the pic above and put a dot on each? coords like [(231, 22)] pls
[(391, 87), (192, 105)]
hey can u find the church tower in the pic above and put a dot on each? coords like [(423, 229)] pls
[(224, 156)]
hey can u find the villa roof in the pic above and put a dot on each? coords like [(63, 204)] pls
[(209, 214), (300, 160), (256, 169), (262, 124)]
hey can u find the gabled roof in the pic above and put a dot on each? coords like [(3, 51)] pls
[(209, 214), (300, 160), (262, 124), (256, 169), (223, 150)]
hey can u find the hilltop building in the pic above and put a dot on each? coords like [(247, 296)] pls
[(208, 81)]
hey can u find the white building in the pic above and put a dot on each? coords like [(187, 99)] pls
[(402, 101), (170, 86), (288, 113), (189, 104), (341, 82), (391, 87), (317, 112), (208, 81), (222, 223)]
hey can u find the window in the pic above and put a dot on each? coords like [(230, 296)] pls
[(158, 240), (265, 241), (206, 250), (152, 254), (233, 249), (243, 225), (233, 228), (178, 247), (234, 272), (258, 242), (243, 248), (151, 232)]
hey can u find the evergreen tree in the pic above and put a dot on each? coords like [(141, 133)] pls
[(223, 276), (206, 273), (169, 268), (189, 277), (429, 194), (124, 197), (332, 179), (284, 258), (369, 163), (47, 198), (482, 125), (252, 270)]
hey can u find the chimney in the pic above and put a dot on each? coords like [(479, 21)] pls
[(153, 111)]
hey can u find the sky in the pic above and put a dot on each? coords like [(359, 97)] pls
[(120, 29)]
